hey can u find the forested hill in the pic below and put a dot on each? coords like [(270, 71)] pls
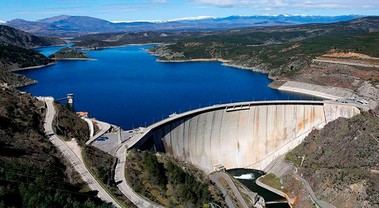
[(278, 50), (11, 36), (16, 52), (32, 173)]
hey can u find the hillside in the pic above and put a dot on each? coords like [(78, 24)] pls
[(32, 171), (13, 57), (162, 179), (296, 53), (11, 36), (277, 49), (341, 162), (117, 39), (65, 26), (69, 53), (15, 53)]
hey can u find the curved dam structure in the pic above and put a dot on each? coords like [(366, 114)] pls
[(241, 135)]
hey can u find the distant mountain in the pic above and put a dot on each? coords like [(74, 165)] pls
[(11, 36), (65, 26)]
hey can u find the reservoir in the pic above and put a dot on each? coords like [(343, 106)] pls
[(126, 86)]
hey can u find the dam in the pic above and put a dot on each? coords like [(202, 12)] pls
[(239, 135)]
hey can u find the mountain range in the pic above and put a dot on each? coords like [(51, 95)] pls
[(68, 26)]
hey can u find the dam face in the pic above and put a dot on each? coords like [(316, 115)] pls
[(249, 135)]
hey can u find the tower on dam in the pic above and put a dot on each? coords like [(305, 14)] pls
[(244, 135)]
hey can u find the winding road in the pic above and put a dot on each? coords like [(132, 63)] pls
[(75, 160), (103, 128), (319, 203), (124, 187)]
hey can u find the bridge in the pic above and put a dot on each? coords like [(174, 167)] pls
[(238, 135)]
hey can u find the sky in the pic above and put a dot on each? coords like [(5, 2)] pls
[(130, 10)]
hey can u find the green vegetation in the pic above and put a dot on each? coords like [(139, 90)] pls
[(69, 53), (12, 36), (162, 180), (271, 180), (68, 125), (278, 50), (32, 172), (102, 165), (15, 57)]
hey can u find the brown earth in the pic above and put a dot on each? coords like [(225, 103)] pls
[(340, 162)]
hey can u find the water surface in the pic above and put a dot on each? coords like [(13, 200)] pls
[(127, 87), (248, 178)]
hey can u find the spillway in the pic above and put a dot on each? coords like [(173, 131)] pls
[(242, 135)]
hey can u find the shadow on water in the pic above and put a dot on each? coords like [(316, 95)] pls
[(248, 177)]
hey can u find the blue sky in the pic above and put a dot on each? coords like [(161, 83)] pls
[(126, 10)]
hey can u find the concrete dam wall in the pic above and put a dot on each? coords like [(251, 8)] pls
[(246, 135)]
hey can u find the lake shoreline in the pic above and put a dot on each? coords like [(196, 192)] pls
[(135, 77), (300, 86), (74, 59), (118, 46), (25, 84), (32, 67), (224, 62)]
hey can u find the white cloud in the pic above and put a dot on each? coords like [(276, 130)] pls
[(192, 18), (2, 22)]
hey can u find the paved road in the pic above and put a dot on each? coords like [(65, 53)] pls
[(124, 187), (90, 126), (70, 155), (103, 127)]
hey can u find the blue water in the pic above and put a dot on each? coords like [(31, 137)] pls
[(127, 87), (47, 51)]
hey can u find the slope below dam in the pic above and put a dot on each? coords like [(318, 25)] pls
[(239, 135)]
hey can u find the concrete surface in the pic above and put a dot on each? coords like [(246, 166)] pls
[(90, 126), (244, 135), (327, 92), (103, 128), (72, 153)]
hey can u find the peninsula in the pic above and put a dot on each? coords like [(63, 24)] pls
[(69, 53)]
